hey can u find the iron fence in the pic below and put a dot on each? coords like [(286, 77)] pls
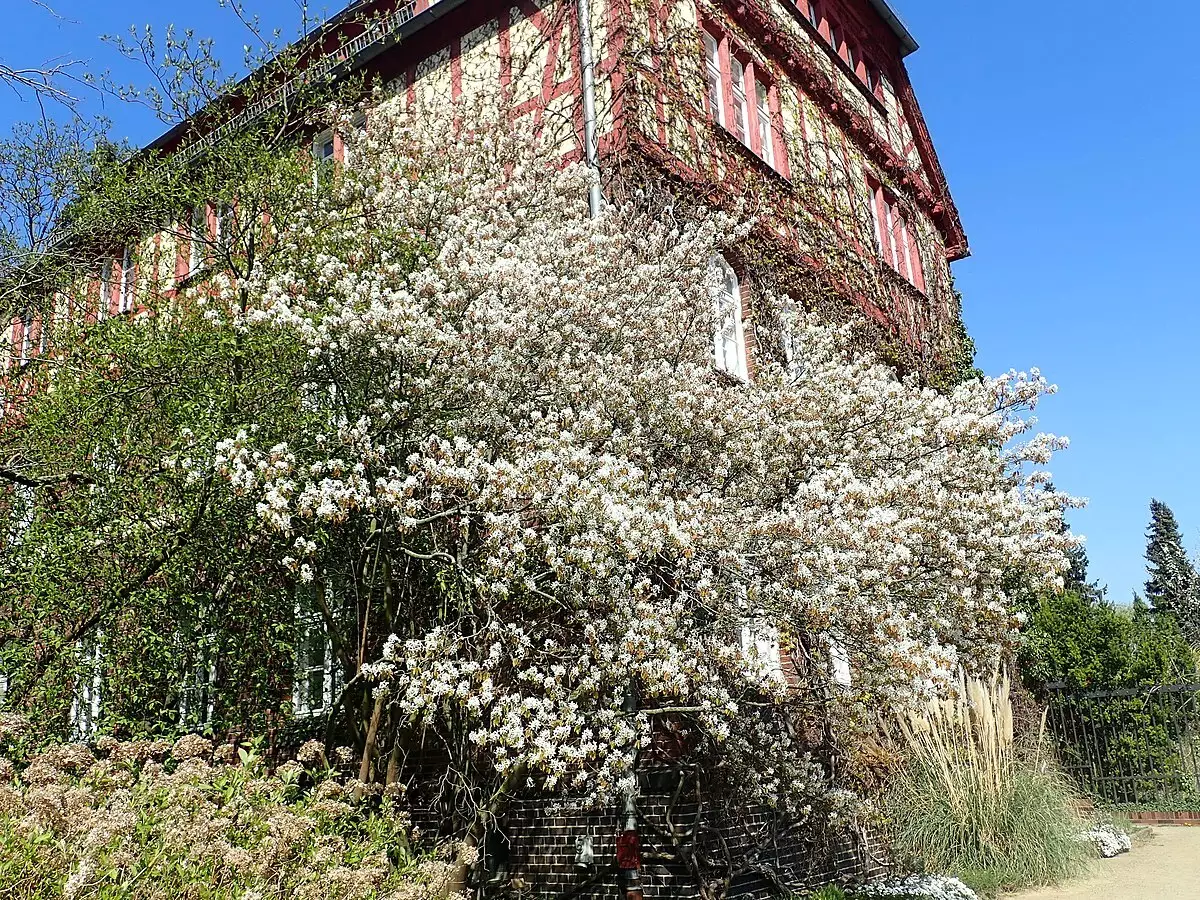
[(1136, 746)]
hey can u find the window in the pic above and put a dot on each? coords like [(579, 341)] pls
[(84, 718), (839, 664), (749, 108), (712, 76), (125, 304), (198, 687), (199, 233), (324, 150), (874, 79), (223, 226), (766, 134), (761, 640), (835, 36), (104, 304), (894, 237), (790, 324), (357, 126), (814, 14), (313, 692), (729, 344), (740, 120), (26, 338)]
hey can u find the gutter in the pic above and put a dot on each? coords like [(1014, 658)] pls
[(908, 44)]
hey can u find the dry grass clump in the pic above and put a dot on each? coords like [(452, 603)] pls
[(147, 820), (970, 802)]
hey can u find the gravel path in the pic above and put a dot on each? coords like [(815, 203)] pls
[(1164, 867)]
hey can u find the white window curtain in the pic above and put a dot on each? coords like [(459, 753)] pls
[(729, 344)]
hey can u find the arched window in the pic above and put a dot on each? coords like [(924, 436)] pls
[(729, 342)]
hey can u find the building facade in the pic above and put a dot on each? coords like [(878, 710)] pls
[(798, 113)]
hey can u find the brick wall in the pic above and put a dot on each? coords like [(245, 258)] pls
[(537, 849)]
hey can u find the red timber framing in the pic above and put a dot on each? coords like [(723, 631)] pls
[(742, 97), (758, 57), (928, 188)]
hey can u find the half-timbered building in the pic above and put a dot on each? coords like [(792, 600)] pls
[(799, 113)]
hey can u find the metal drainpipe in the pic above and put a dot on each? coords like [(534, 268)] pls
[(628, 845), (587, 68)]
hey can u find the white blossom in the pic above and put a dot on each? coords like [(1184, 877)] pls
[(543, 383)]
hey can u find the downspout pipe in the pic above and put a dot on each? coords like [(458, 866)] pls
[(587, 69)]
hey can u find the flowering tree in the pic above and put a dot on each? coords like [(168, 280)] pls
[(572, 531), (480, 435)]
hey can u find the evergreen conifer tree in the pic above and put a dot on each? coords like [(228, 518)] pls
[(1077, 579), (1171, 588)]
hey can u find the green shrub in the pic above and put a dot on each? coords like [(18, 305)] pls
[(967, 803), (147, 820), (828, 892), (1083, 643)]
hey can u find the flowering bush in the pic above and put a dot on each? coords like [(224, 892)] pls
[(149, 819), (478, 440), (575, 528)]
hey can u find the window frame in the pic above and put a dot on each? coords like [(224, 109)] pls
[(895, 241), (25, 355), (309, 625), (104, 302), (814, 15), (740, 112), (128, 270), (738, 101), (321, 162), (87, 696), (197, 233), (727, 309), (765, 118), (834, 35), (198, 687), (714, 78), (841, 673)]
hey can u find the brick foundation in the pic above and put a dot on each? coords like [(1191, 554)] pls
[(536, 853)]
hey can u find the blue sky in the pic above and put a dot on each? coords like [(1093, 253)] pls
[(1070, 145)]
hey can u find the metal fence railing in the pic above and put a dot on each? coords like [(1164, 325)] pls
[(1136, 746)]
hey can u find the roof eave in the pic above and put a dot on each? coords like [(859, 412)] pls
[(908, 44)]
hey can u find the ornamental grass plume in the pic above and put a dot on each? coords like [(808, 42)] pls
[(122, 824), (971, 802)]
